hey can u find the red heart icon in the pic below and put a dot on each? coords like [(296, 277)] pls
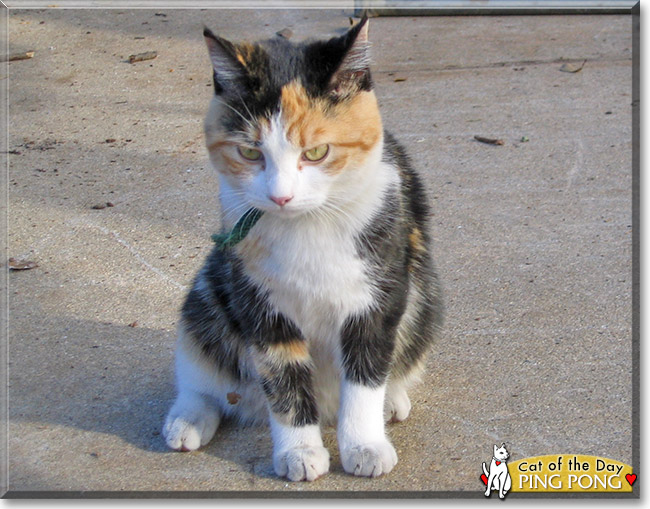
[(484, 479), (498, 463), (630, 478)]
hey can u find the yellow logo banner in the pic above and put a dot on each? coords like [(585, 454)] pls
[(570, 473)]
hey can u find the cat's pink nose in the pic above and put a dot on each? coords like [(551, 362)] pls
[(281, 200)]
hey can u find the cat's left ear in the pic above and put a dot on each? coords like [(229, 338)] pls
[(354, 70), (227, 68)]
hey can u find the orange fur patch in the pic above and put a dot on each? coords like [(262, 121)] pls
[(351, 128), (293, 351), (223, 152), (236, 167), (272, 357), (216, 145), (222, 145), (416, 240), (245, 51)]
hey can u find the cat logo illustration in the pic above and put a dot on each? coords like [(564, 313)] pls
[(497, 478)]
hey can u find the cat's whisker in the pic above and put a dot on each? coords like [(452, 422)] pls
[(232, 193), (236, 212), (336, 211), (246, 106), (237, 193), (324, 217), (249, 122), (235, 209)]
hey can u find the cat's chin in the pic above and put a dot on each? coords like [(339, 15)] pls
[(289, 213)]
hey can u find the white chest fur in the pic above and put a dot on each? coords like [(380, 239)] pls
[(313, 273)]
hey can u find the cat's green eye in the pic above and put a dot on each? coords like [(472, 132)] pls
[(251, 154), (316, 153)]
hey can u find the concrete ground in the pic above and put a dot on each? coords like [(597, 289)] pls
[(533, 240)]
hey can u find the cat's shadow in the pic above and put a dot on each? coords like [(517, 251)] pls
[(124, 388)]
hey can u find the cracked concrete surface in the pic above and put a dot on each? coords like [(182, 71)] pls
[(533, 240)]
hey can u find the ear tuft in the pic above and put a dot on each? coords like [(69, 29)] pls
[(354, 70)]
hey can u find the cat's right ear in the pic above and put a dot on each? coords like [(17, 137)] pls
[(223, 55), (353, 71)]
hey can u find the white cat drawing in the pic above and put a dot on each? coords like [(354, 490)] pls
[(498, 477)]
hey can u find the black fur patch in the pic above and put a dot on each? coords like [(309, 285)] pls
[(290, 394), (368, 341), (430, 310)]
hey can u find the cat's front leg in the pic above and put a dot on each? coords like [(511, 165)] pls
[(298, 452), (491, 485), (195, 416), (366, 351), (286, 375), (365, 449)]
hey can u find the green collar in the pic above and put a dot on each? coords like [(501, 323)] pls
[(239, 231)]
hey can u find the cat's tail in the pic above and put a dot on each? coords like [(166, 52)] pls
[(485, 470)]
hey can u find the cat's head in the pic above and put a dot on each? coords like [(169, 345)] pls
[(500, 453), (291, 124)]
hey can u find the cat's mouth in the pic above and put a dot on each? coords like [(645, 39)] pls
[(282, 212)]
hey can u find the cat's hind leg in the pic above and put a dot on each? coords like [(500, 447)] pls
[(397, 405)]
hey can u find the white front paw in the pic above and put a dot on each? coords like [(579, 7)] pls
[(369, 460), (189, 426), (302, 463)]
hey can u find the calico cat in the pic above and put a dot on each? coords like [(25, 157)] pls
[(325, 306)]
